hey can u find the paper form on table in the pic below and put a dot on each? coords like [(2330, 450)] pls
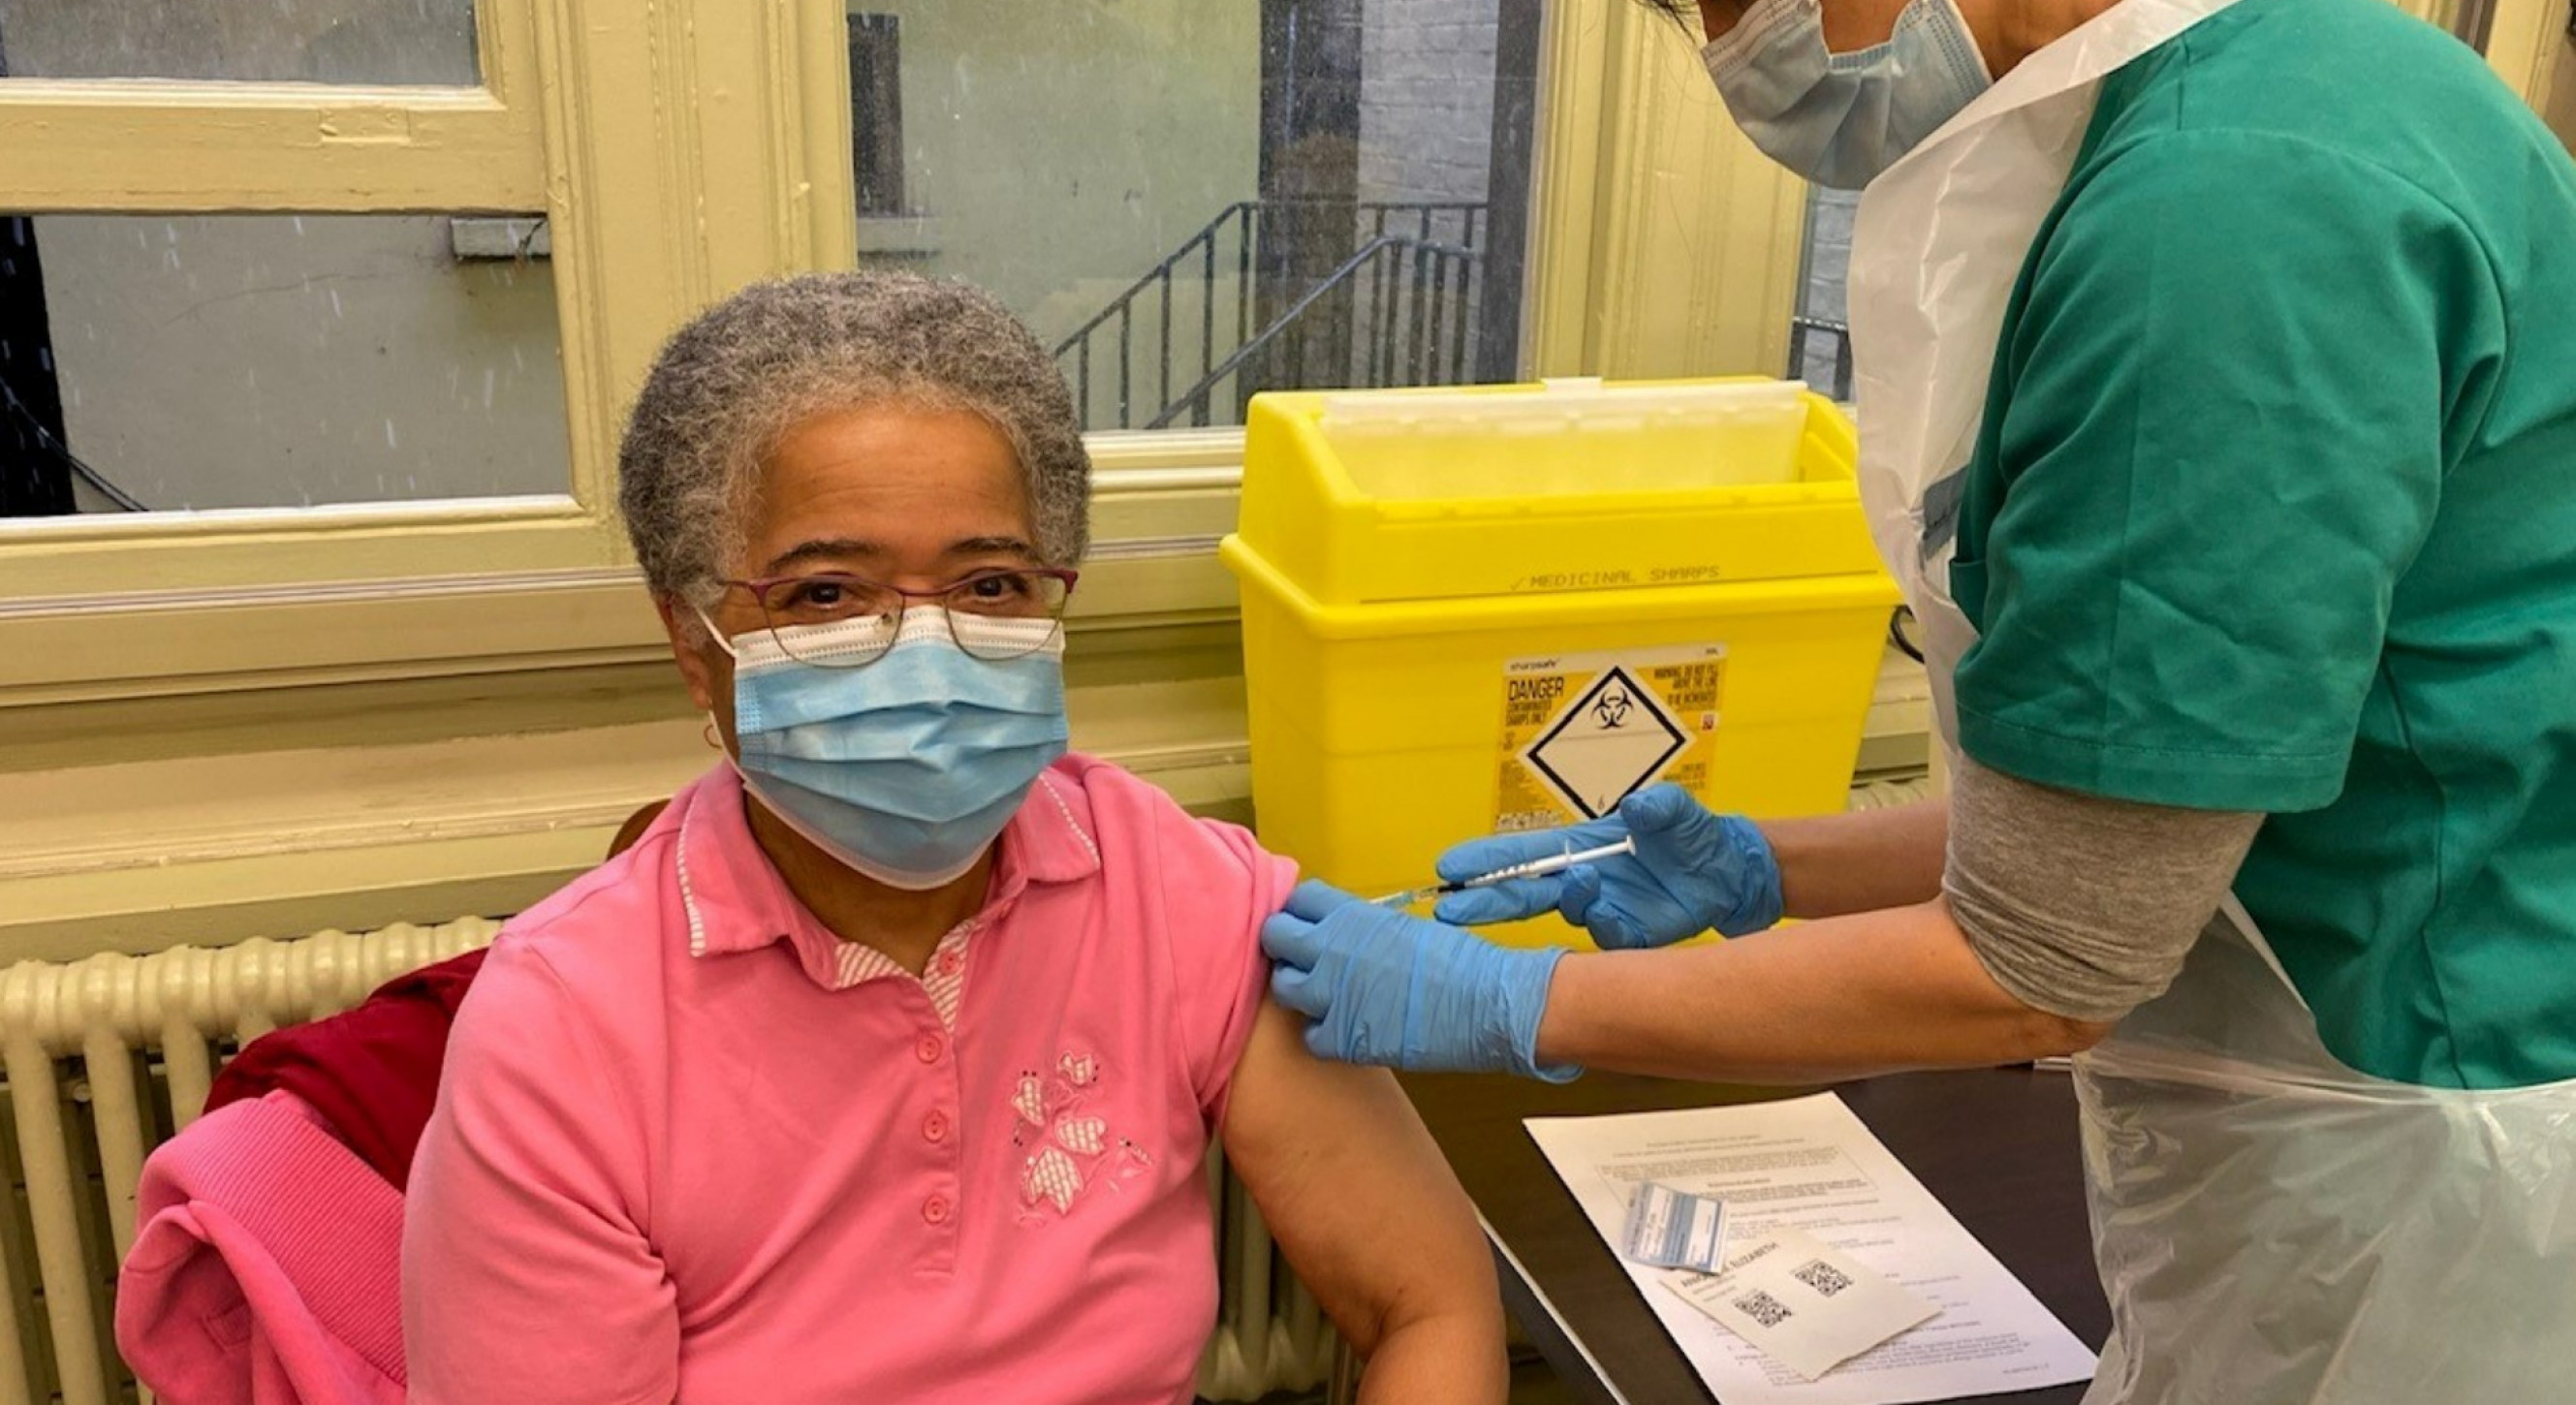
[(1802, 1302), (1808, 1164)]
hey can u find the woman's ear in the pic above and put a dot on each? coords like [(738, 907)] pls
[(692, 647)]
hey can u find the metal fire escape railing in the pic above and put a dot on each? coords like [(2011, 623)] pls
[(1364, 307), (1410, 328)]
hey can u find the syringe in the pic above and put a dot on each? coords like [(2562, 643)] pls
[(1533, 868)]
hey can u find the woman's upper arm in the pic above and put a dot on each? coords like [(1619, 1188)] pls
[(526, 1274), (1353, 1187), (1219, 886), (1350, 1183)]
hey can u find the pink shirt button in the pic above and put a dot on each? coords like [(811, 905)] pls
[(935, 1209), (935, 1127), (929, 1049), (950, 963)]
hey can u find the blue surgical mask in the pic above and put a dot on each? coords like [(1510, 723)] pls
[(1841, 119), (907, 768)]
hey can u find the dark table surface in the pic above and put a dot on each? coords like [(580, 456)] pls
[(1997, 1147)]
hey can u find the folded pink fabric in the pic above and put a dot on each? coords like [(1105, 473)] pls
[(268, 1266)]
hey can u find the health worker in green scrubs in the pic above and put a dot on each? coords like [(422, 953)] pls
[(2217, 390)]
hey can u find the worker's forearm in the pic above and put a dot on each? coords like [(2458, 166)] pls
[(1453, 1359), (1843, 998), (1863, 861)]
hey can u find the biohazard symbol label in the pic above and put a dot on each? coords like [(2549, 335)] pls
[(1583, 732)]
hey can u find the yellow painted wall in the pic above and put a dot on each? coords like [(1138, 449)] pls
[(2561, 110)]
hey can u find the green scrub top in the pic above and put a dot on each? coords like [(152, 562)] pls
[(2274, 510)]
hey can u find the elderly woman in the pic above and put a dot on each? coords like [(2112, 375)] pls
[(883, 1067)]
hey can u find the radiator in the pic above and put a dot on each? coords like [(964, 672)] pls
[(108, 1056)]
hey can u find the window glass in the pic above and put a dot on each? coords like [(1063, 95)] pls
[(876, 113), (311, 41), (158, 362), (1820, 335), (1193, 200)]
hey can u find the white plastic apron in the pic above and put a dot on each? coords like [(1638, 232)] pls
[(2272, 1226)]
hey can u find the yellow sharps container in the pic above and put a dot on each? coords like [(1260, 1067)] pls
[(1467, 611)]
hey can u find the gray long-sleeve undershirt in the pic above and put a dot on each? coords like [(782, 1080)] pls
[(2080, 906)]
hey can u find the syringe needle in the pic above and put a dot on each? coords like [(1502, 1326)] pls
[(1533, 868), (1552, 864)]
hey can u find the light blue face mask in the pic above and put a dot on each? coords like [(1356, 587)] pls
[(1841, 119), (906, 769)]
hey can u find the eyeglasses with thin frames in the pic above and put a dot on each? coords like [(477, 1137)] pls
[(1000, 602)]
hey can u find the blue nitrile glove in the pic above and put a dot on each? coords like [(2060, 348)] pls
[(1692, 871), (1382, 987)]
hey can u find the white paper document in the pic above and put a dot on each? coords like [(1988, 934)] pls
[(1803, 1302), (1808, 1165)]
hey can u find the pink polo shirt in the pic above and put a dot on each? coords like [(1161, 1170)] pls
[(689, 1145)]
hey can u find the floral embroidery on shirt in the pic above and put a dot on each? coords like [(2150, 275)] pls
[(1081, 1134), (1051, 1177), (1029, 1100), (1069, 1148)]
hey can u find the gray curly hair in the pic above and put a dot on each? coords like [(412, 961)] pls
[(741, 375)]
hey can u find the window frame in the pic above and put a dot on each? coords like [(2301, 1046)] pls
[(2525, 41), (1665, 244), (606, 116), (233, 722), (643, 233)]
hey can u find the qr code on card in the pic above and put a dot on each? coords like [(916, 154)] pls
[(1763, 1308), (1821, 1276)]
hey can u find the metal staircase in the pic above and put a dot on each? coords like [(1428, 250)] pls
[(1226, 314)]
